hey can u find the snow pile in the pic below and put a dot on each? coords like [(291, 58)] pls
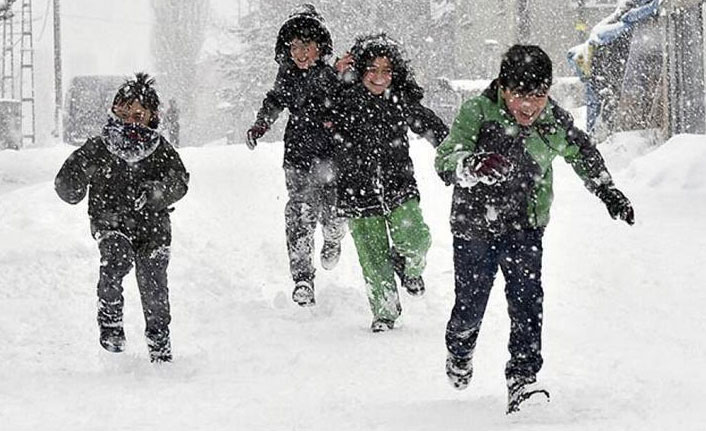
[(679, 164), (622, 333)]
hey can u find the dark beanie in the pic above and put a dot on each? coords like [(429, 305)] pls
[(525, 68)]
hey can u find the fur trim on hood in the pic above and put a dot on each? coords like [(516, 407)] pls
[(307, 24), (367, 48)]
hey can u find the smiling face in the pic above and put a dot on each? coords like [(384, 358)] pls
[(525, 108), (378, 76), (304, 54)]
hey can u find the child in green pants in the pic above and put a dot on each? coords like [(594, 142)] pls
[(376, 186)]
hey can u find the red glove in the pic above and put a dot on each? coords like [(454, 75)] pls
[(488, 168), (256, 132)]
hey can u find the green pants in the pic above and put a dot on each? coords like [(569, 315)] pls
[(410, 237)]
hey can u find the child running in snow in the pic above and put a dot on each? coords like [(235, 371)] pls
[(133, 176), (376, 185), (499, 156), (305, 82)]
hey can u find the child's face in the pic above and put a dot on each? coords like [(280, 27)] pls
[(304, 54), (378, 76), (525, 108), (133, 113)]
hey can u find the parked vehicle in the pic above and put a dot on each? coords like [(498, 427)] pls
[(87, 104)]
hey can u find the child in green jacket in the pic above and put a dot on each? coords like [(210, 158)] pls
[(498, 156)]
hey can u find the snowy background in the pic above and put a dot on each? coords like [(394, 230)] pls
[(623, 334)]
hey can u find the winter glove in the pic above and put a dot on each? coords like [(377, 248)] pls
[(150, 194), (256, 132), (487, 168), (618, 205)]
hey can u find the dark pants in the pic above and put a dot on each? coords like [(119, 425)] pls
[(476, 261), (118, 254), (312, 199)]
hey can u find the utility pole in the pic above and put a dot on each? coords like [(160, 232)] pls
[(58, 99), (27, 75)]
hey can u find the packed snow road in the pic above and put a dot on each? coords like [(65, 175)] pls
[(623, 334)]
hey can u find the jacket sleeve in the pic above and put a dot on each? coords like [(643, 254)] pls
[(424, 122), (582, 154), (275, 101), (174, 181), (71, 183), (326, 97), (461, 140)]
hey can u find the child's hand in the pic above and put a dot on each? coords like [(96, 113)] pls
[(141, 201), (488, 168), (149, 193), (254, 133), (344, 63), (619, 206)]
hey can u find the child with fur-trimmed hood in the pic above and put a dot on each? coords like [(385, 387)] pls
[(376, 185), (305, 83), (133, 176)]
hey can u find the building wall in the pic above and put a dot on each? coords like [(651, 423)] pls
[(553, 27)]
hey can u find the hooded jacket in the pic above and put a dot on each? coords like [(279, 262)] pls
[(524, 198), (302, 92), (375, 173), (115, 180)]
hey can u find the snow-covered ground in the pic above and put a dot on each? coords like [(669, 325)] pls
[(623, 335)]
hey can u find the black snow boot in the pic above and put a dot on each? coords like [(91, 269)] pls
[(160, 349), (459, 371), (413, 285), (112, 338), (382, 325), (522, 390), (303, 293), (330, 254)]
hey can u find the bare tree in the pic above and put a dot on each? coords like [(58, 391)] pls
[(178, 36)]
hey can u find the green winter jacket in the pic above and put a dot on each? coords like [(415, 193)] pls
[(524, 198)]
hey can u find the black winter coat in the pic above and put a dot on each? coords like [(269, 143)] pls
[(375, 173), (304, 93), (115, 185)]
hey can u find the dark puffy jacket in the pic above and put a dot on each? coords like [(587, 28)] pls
[(375, 171), (303, 92), (114, 186)]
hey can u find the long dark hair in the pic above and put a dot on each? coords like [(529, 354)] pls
[(369, 47)]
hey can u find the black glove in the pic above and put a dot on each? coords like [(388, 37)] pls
[(488, 168), (618, 205), (256, 132), (150, 194)]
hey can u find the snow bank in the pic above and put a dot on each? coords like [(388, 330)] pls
[(679, 164), (623, 326)]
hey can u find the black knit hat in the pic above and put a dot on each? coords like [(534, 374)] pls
[(140, 89), (525, 69), (369, 47), (307, 24)]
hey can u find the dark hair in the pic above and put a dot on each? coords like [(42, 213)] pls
[(140, 89), (369, 47), (525, 68), (307, 24)]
